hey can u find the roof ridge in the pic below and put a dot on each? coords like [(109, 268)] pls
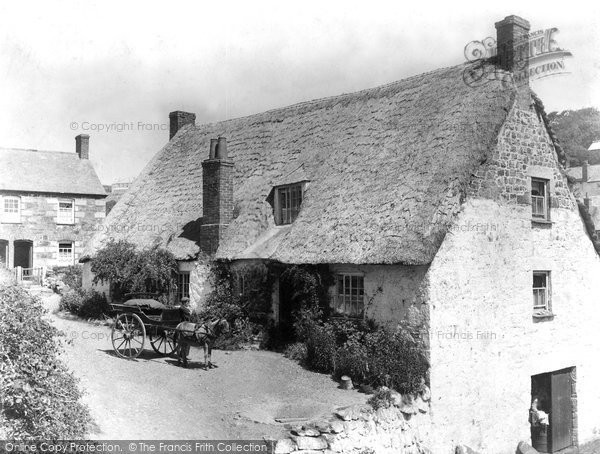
[(327, 98), (35, 150)]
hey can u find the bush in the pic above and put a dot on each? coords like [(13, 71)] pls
[(321, 349), (128, 270), (39, 397), (395, 360), (70, 275), (297, 352), (376, 356), (352, 360), (382, 398), (63, 278), (84, 303)]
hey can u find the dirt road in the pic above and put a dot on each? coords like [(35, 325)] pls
[(153, 398)]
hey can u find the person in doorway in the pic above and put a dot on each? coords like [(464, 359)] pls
[(537, 417)]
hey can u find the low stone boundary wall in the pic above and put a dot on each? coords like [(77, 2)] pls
[(398, 429)]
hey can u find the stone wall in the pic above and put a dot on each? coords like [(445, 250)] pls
[(390, 290), (485, 342), (38, 224), (398, 429)]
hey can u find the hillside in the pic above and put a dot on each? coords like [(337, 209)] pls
[(576, 130)]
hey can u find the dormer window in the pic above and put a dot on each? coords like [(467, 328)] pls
[(288, 200)]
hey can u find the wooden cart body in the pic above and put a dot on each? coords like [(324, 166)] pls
[(134, 322)]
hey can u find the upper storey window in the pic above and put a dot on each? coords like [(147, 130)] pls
[(540, 206), (10, 210), (66, 212), (288, 200)]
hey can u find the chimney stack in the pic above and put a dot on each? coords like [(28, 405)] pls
[(217, 196), (512, 42), (584, 171), (178, 120), (82, 146)]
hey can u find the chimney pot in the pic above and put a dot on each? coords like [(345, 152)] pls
[(82, 146), (213, 148), (221, 152), (178, 119)]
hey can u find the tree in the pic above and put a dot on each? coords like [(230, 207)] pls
[(131, 271), (576, 131)]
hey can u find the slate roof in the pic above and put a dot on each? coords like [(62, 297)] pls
[(47, 172), (388, 170)]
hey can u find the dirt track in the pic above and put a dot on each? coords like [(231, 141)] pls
[(153, 398)]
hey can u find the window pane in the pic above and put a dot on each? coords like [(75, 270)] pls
[(539, 280), (350, 294), (290, 199)]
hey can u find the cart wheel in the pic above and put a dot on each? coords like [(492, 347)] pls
[(162, 341), (128, 336)]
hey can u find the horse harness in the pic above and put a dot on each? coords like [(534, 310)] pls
[(202, 333)]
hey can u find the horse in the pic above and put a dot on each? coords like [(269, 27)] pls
[(204, 334)]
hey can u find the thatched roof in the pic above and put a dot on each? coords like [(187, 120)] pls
[(47, 171), (387, 166)]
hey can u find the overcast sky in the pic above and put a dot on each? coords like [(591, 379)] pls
[(69, 67)]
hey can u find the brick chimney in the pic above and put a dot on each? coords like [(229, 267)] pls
[(217, 196), (512, 41), (584, 171), (178, 120), (82, 146)]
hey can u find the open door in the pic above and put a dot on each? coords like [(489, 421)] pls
[(553, 391), (561, 415)]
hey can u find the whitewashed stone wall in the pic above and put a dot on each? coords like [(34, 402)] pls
[(200, 284), (390, 290), (485, 345), (87, 281)]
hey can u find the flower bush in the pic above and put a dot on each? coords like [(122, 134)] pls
[(39, 397), (370, 354), (84, 303)]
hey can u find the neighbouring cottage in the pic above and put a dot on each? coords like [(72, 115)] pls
[(425, 194), (586, 186), (51, 204)]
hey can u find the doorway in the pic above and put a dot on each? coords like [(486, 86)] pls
[(23, 254), (554, 392)]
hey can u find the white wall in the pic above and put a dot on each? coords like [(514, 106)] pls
[(390, 290), (485, 344)]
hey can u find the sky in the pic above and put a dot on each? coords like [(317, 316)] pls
[(114, 70)]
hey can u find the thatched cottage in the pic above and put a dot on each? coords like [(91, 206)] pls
[(427, 193), (51, 203)]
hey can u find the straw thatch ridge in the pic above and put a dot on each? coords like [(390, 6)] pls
[(387, 170)]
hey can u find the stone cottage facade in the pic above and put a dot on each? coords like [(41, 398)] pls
[(427, 196), (51, 203)]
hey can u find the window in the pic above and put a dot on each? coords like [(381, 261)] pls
[(350, 295), (65, 252), (11, 210), (539, 199), (183, 285), (541, 290), (66, 212), (289, 199)]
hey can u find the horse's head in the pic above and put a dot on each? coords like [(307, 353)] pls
[(222, 327)]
